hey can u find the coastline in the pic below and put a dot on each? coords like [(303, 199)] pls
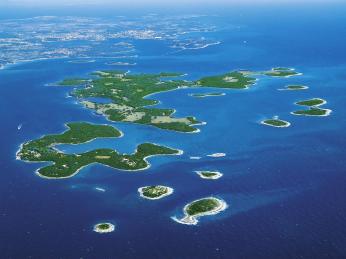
[(54, 144)]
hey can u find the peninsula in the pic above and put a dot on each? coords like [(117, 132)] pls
[(216, 155)]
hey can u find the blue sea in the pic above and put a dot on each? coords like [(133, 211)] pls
[(285, 187)]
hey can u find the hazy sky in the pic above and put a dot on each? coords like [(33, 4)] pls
[(144, 2)]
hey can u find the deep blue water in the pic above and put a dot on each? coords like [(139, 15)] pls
[(285, 187)]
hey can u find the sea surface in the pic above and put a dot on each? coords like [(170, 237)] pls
[(285, 187)]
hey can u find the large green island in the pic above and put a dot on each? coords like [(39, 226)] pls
[(66, 165), (128, 95), (202, 207)]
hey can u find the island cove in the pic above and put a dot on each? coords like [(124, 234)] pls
[(66, 165), (127, 95)]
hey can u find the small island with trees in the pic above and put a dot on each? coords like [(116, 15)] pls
[(199, 208), (103, 228), (294, 88), (276, 122), (155, 192), (210, 175), (281, 72)]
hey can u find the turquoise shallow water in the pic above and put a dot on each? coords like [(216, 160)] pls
[(284, 187)]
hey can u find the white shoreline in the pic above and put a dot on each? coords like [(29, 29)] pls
[(217, 155), (297, 74), (193, 220), (183, 48), (214, 177), (81, 61), (206, 95), (169, 192), (315, 98), (120, 64), (100, 189), (274, 69), (328, 112), (303, 87), (104, 231), (276, 126)]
